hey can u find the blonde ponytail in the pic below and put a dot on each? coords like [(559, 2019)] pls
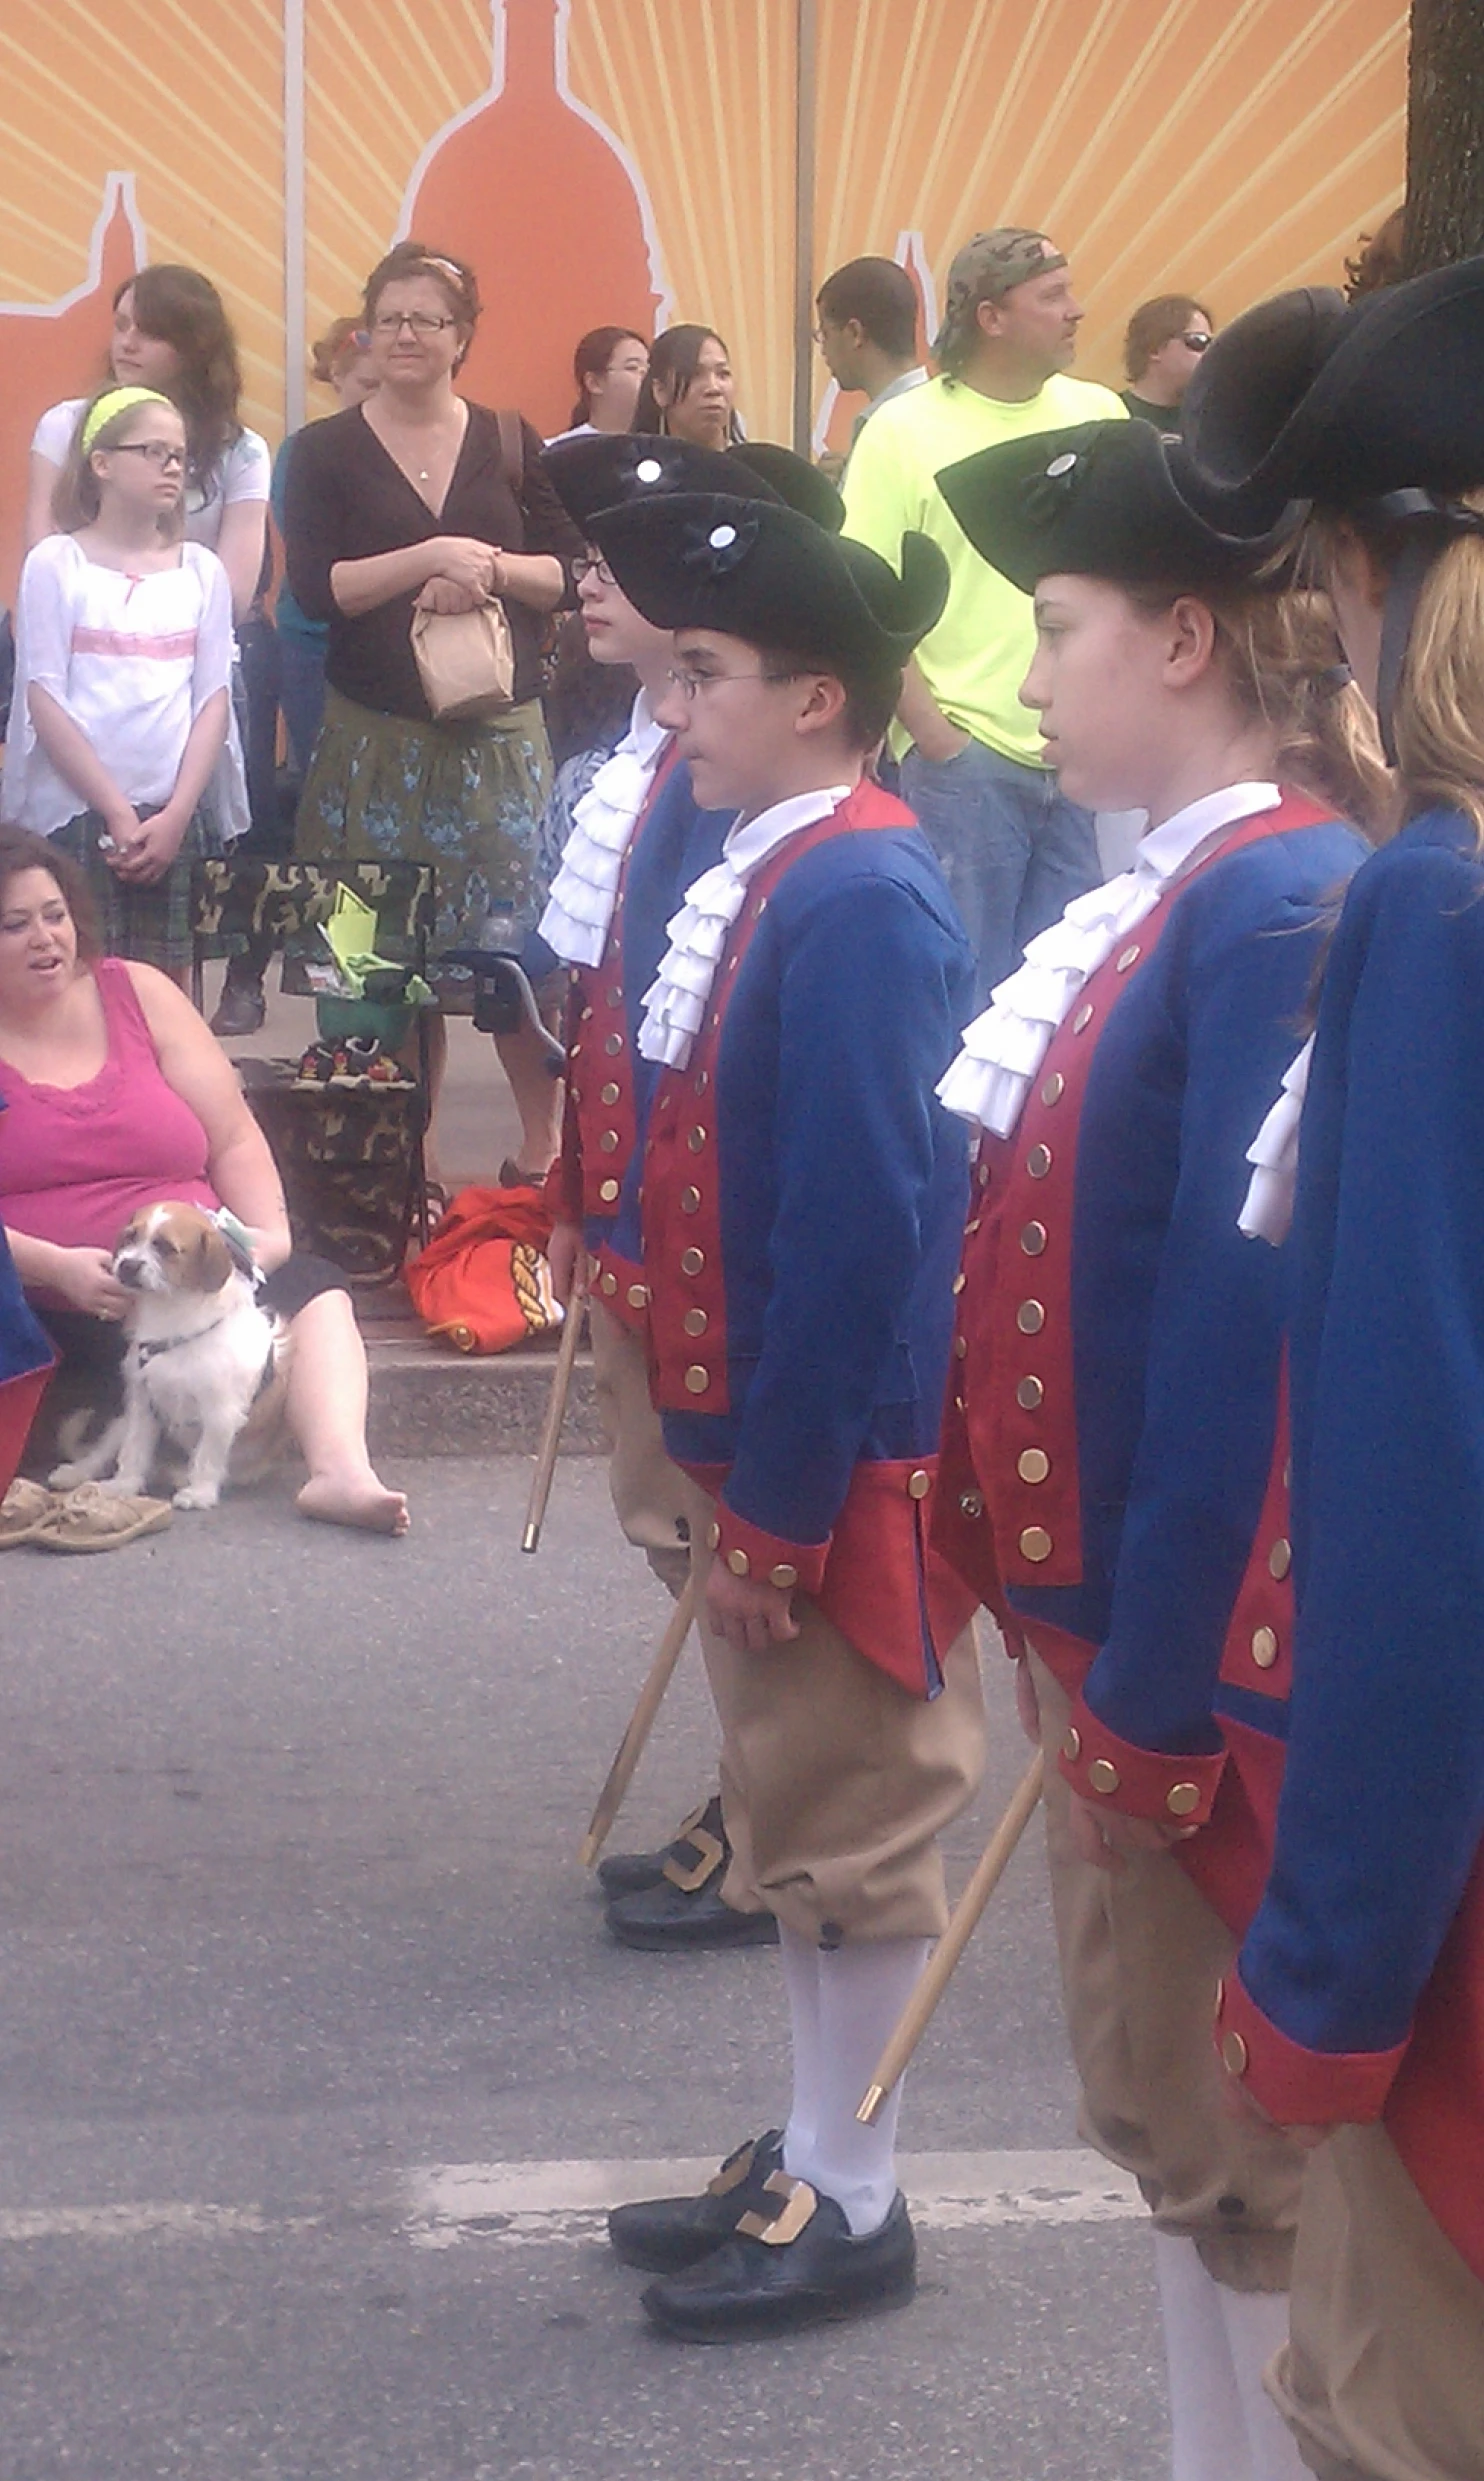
[(1438, 720), (1284, 660)]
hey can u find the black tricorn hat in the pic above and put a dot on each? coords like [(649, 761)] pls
[(767, 574), (795, 480), (1303, 398), (1106, 499), (611, 469)]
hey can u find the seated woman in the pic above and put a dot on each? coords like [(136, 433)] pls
[(117, 1097)]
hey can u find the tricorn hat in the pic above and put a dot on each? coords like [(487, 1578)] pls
[(610, 469), (1106, 499), (1303, 398), (795, 480), (698, 560)]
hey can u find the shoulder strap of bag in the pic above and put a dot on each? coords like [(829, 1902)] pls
[(512, 449)]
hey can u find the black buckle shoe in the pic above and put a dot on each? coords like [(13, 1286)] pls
[(666, 1919), (669, 2233), (792, 2264), (241, 1008), (698, 1844)]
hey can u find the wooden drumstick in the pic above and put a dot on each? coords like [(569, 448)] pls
[(551, 1433), (918, 2012), (640, 1725)]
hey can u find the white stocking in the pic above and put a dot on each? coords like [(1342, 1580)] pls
[(1207, 2423), (800, 1958), (1257, 2327), (862, 1990)]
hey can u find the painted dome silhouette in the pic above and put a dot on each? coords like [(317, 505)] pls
[(531, 189)]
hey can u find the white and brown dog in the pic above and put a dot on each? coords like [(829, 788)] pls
[(205, 1368)]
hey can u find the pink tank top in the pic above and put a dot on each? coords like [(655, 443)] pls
[(77, 1161)]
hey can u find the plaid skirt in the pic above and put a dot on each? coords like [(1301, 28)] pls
[(148, 925), (466, 797)]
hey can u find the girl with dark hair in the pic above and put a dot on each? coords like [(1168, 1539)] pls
[(690, 392), (609, 367), (123, 661), (416, 500)]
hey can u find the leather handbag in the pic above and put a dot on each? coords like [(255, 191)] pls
[(465, 661)]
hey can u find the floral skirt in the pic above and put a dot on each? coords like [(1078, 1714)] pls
[(148, 925), (467, 798)]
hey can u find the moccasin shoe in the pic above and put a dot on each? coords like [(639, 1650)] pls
[(696, 1852), (669, 2233), (667, 1917), (794, 2264)]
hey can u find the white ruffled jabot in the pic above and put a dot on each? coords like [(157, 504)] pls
[(579, 909), (675, 1002), (1003, 1049), (1267, 1212)]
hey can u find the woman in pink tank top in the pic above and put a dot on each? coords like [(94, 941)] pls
[(114, 1095)]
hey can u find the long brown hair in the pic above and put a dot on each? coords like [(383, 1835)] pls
[(20, 850), (1437, 718), (77, 494), (183, 308)]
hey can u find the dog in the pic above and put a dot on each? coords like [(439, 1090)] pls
[(205, 1367)]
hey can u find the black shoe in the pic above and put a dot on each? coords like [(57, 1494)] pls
[(796, 2267), (670, 2233), (241, 1008), (663, 1918), (695, 1852)]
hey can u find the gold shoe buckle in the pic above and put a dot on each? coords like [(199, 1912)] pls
[(798, 2211), (712, 1851)]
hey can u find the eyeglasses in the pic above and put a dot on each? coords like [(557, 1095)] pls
[(691, 684), (421, 322), (158, 451), (1196, 343), (582, 567)]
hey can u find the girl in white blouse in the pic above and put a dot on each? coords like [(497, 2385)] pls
[(123, 661)]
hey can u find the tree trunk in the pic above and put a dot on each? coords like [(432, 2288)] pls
[(1445, 134)]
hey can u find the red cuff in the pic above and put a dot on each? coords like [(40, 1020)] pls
[(1299, 2088), (748, 1551), (1141, 1783)]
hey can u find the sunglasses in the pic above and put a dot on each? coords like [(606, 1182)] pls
[(1197, 342)]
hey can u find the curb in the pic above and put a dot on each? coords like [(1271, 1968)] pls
[(430, 1403)]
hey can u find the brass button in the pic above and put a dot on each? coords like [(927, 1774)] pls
[(608, 1284), (783, 1576), (1030, 1395), (1280, 1559), (585, 1016), (1038, 1162), (573, 1095), (1102, 1774), (1234, 2053), (703, 1079), (1054, 1088), (1071, 1747), (959, 1281), (1129, 957), (1033, 1464), (695, 1322), (919, 1484), (690, 1201), (971, 1502), (692, 1261), (608, 1142), (609, 1094), (613, 1044), (695, 1138), (984, 1175), (1264, 1648), (713, 1537), (1182, 1798), (574, 976), (739, 1563), (614, 995), (961, 1347), (1035, 1544), (697, 1380), (608, 1191), (638, 1296), (1033, 1239), (1030, 1317), (973, 1226), (1083, 1017)]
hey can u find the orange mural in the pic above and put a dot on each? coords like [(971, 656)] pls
[(633, 160)]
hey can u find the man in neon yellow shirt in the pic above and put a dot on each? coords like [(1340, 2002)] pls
[(1014, 852)]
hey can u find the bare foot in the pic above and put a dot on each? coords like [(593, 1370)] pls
[(354, 1499)]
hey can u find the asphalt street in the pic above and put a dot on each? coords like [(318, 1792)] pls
[(316, 2063)]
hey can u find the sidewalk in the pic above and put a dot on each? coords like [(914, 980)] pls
[(426, 1399)]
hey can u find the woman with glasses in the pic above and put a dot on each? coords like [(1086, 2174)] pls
[(417, 500), (1162, 353), (123, 665)]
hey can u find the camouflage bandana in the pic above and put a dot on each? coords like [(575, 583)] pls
[(985, 270)]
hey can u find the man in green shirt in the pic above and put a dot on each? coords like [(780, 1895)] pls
[(1014, 852)]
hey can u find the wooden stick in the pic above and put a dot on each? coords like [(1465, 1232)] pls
[(640, 1725), (918, 2012), (551, 1433)]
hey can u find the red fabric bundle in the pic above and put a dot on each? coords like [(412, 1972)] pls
[(483, 1282)]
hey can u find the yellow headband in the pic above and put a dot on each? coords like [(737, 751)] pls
[(113, 402)]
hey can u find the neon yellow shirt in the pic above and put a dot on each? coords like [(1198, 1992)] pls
[(979, 653)]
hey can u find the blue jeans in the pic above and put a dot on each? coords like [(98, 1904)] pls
[(301, 694), (1013, 851)]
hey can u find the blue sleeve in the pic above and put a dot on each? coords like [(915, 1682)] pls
[(1383, 1803), (1215, 1343), (866, 1028)]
